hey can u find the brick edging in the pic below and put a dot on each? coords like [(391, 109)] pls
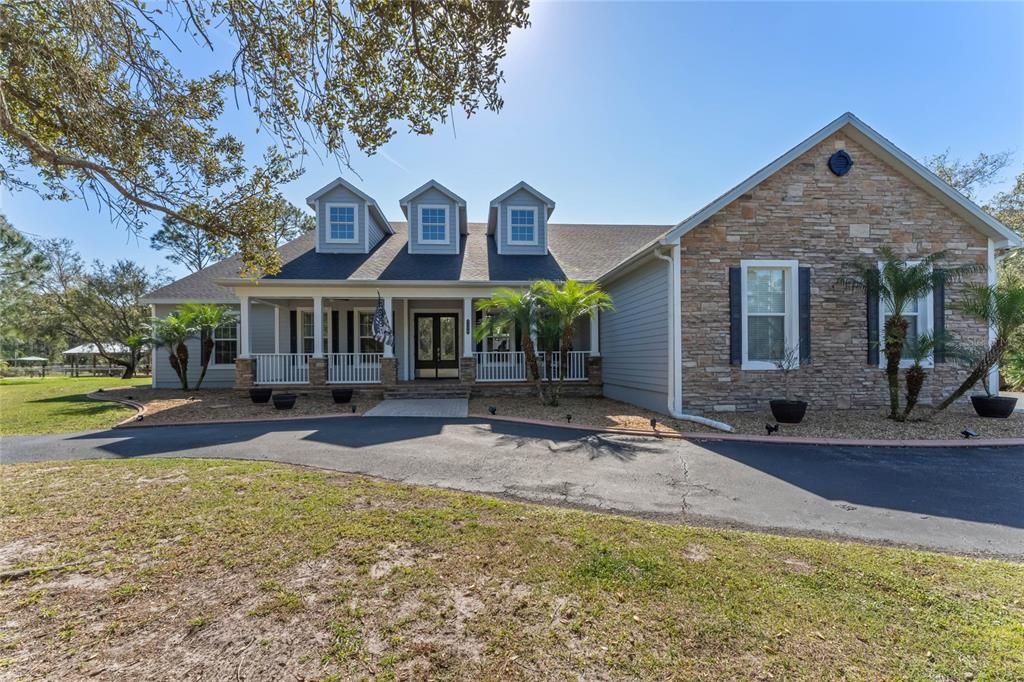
[(786, 440)]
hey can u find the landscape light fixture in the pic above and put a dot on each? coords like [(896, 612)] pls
[(771, 429), (967, 433), (493, 410)]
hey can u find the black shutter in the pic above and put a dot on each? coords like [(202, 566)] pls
[(939, 318), (735, 318), (805, 314), (517, 337), (335, 332), (872, 304), (293, 336), (351, 331), (478, 317)]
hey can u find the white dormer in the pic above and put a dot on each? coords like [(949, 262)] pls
[(518, 220), (348, 220), (437, 219)]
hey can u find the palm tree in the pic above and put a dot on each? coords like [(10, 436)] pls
[(1002, 309), (919, 349), (506, 311), (207, 318), (566, 305), (897, 284), (173, 332)]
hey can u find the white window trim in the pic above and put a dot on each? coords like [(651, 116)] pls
[(355, 222), (536, 226), (447, 223), (357, 338), (925, 325), (238, 348), (792, 319), (328, 334)]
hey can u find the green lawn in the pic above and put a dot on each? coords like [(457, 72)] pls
[(59, 405), (239, 570)]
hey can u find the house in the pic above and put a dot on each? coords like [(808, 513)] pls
[(703, 308)]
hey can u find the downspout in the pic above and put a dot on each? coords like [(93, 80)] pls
[(675, 344)]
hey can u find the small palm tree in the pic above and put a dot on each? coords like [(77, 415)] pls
[(507, 310), (207, 318), (897, 284), (1002, 309), (173, 332), (135, 343), (566, 305), (919, 349)]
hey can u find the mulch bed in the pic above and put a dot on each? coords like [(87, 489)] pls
[(171, 406)]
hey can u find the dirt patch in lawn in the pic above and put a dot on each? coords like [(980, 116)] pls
[(193, 569), (170, 406), (819, 423)]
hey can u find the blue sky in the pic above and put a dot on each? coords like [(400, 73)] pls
[(644, 112)]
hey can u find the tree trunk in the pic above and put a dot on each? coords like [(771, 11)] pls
[(563, 361), (181, 364), (915, 380), (981, 369), (532, 367), (895, 337), (206, 354), (129, 371)]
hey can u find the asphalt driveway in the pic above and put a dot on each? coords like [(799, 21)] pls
[(959, 500)]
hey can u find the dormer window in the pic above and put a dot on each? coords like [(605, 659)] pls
[(341, 223), (522, 221), (433, 224)]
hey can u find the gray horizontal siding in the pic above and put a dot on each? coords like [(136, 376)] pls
[(634, 338), (525, 199)]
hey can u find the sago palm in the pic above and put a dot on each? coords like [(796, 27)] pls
[(207, 318), (506, 311), (568, 304), (1001, 308), (896, 284), (173, 332), (919, 349)]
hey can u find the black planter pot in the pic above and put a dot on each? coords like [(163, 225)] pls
[(788, 411), (284, 401), (260, 395), (341, 395), (993, 406)]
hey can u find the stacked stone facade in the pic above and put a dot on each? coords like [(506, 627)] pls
[(805, 212)]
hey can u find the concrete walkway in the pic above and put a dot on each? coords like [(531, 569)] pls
[(960, 500), (421, 407)]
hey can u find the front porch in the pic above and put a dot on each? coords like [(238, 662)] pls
[(281, 345)]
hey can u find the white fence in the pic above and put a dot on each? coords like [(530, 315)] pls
[(282, 368), (511, 366), (501, 366), (353, 368), (576, 370)]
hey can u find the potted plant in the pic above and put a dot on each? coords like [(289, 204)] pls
[(788, 411), (341, 395), (1002, 309), (284, 401), (260, 394)]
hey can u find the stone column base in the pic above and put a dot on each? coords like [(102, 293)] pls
[(467, 370), (318, 371), (594, 370), (244, 368), (388, 371)]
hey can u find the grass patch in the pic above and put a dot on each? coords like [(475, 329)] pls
[(58, 404), (291, 572)]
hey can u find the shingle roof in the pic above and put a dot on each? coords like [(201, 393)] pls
[(575, 251)]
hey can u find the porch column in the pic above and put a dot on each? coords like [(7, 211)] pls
[(595, 334), (243, 327), (318, 326), (389, 348), (467, 327)]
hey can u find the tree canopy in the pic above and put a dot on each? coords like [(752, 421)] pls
[(93, 101)]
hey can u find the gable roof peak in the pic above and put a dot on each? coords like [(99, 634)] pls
[(432, 184), (522, 184)]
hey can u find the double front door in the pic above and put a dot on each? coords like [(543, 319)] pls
[(437, 345)]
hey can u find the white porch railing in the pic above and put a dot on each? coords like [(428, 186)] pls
[(501, 366), (575, 371), (353, 368), (282, 368)]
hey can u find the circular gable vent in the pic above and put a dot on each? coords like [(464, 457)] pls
[(840, 163)]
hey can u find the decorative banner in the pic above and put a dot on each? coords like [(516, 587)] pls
[(381, 324)]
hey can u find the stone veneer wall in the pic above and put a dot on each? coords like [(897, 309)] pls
[(805, 212)]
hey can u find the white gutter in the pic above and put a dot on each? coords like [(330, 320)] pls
[(675, 344)]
